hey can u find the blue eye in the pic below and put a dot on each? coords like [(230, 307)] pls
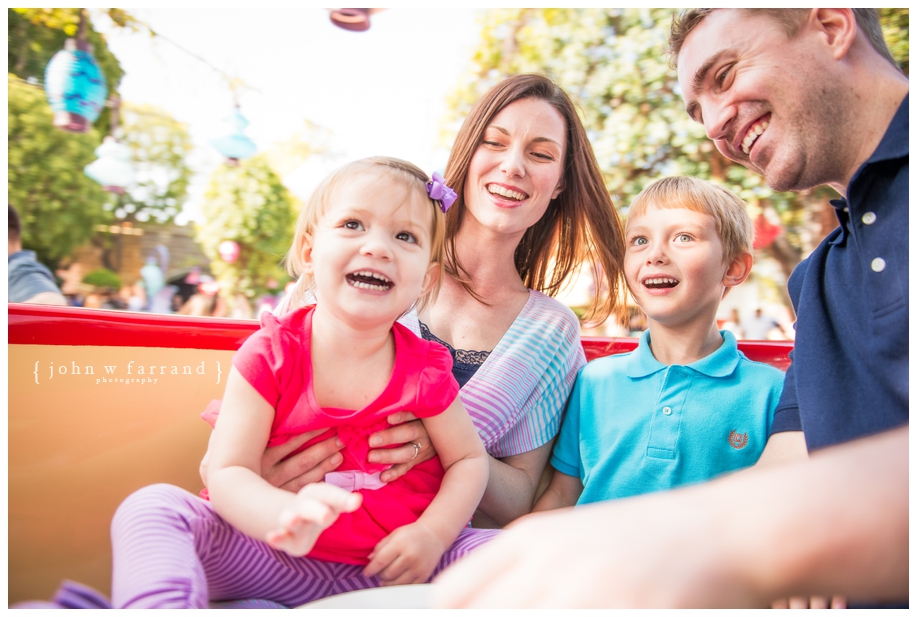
[(683, 238), (354, 225), (639, 241)]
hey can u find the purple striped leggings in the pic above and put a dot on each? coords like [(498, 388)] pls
[(171, 550)]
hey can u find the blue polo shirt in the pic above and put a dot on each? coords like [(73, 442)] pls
[(634, 425), (28, 277), (849, 373)]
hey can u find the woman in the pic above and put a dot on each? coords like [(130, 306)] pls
[(531, 206)]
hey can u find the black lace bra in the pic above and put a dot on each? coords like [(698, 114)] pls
[(464, 362)]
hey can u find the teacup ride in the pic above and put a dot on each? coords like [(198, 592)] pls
[(102, 403)]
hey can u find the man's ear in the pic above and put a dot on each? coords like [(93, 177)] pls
[(838, 27), (738, 270), (308, 266)]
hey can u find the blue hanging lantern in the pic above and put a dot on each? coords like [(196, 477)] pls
[(234, 145), (75, 86)]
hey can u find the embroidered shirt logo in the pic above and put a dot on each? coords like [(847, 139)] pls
[(738, 440)]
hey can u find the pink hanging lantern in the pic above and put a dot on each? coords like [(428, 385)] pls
[(229, 251)]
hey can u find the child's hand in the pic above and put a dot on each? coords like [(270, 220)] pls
[(407, 555), (313, 510)]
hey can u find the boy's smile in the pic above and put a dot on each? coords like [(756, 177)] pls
[(674, 265)]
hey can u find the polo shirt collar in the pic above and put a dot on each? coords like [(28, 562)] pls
[(894, 145), (721, 363)]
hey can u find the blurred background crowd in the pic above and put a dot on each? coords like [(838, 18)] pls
[(157, 158)]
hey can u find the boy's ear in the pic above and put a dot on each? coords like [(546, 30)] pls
[(738, 270), (308, 265)]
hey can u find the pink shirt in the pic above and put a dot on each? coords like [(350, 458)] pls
[(276, 361)]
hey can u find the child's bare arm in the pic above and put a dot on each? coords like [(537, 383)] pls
[(289, 521), (783, 447), (562, 492), (410, 553)]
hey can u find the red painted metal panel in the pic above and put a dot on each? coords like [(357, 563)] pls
[(32, 324)]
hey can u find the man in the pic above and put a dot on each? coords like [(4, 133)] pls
[(29, 280), (805, 97)]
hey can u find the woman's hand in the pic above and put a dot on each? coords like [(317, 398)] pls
[(302, 468), (406, 430)]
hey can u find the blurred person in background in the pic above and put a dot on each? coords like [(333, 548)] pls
[(761, 327), (29, 280)]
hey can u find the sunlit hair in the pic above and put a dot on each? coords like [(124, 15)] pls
[(789, 19), (579, 225), (414, 181), (733, 225)]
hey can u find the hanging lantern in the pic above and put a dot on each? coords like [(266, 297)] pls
[(75, 85), (113, 169), (355, 20), (229, 251), (234, 145)]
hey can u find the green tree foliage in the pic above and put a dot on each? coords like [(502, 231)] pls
[(249, 205), (44, 162), (35, 35), (58, 204), (160, 145), (103, 278), (613, 63), (895, 27)]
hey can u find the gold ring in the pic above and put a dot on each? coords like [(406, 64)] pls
[(416, 449)]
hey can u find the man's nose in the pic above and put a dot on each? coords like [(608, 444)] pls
[(718, 120)]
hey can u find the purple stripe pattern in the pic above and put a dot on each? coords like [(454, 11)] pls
[(171, 550), (517, 397)]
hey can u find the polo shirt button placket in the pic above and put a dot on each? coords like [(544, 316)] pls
[(869, 218), (667, 411), (877, 265)]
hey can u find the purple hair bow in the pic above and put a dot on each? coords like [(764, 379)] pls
[(437, 189)]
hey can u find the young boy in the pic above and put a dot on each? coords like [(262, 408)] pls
[(686, 405)]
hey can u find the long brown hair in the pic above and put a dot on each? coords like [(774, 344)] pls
[(579, 224)]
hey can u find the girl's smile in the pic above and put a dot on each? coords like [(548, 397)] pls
[(370, 253)]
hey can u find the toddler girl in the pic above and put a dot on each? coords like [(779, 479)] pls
[(369, 243)]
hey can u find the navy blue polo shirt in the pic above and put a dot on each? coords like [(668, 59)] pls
[(849, 373)]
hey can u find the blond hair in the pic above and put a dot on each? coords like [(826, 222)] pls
[(733, 225), (414, 179)]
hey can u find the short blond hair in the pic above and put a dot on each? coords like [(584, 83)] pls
[(733, 225), (413, 178)]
